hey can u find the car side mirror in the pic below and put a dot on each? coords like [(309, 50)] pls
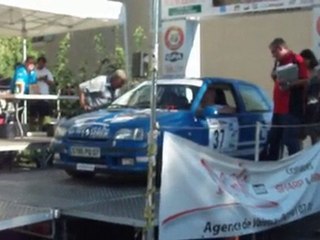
[(210, 111)]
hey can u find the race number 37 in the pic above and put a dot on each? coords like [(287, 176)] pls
[(223, 134), (218, 137)]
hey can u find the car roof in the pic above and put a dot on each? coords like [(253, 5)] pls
[(199, 81), (183, 81)]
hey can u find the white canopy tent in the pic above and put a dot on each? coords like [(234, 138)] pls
[(44, 17)]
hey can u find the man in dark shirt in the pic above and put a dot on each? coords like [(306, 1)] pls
[(288, 101)]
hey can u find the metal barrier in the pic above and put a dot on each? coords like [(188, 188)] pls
[(260, 129)]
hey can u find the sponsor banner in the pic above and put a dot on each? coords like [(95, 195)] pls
[(181, 49), (181, 8), (205, 194), (203, 8), (89, 131), (316, 31)]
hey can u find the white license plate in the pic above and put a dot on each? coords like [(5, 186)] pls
[(127, 161), (85, 167), (89, 152)]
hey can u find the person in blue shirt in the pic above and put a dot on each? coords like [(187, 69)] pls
[(24, 76)]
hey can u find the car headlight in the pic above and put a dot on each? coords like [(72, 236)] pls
[(129, 134), (60, 132)]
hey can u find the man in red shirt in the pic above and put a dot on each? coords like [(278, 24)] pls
[(288, 102)]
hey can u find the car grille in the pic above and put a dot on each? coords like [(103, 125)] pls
[(87, 139)]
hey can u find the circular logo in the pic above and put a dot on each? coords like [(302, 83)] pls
[(174, 38), (318, 26)]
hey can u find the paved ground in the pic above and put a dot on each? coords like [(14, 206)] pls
[(305, 229)]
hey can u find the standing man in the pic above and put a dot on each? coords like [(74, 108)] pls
[(42, 109), (44, 76), (24, 77), (288, 102), (101, 91)]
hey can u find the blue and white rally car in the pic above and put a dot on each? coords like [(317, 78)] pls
[(114, 140)]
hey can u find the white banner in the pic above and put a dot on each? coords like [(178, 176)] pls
[(181, 49), (206, 195), (316, 31)]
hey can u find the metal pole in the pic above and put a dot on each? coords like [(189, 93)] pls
[(152, 136), (24, 40), (257, 142), (256, 155), (58, 105), (25, 112), (16, 109), (126, 43), (24, 46)]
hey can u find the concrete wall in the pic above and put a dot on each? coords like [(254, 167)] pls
[(237, 46), (82, 49)]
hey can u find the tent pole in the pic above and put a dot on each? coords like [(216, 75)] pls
[(24, 47), (24, 39), (153, 133), (24, 114), (126, 44)]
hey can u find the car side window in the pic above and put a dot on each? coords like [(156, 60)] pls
[(220, 96), (230, 100), (175, 96), (253, 99)]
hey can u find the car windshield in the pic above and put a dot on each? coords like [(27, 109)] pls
[(168, 97)]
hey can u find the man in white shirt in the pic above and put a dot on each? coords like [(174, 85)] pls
[(44, 76), (41, 109), (101, 90)]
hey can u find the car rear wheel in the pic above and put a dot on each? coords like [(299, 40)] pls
[(80, 174)]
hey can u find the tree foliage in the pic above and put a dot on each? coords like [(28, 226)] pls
[(66, 84), (108, 62), (62, 72), (139, 37)]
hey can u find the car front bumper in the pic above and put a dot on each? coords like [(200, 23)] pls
[(119, 158)]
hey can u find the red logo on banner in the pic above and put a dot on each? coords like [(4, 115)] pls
[(174, 38)]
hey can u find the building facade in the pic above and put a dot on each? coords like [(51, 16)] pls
[(231, 46)]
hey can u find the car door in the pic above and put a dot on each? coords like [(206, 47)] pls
[(221, 118), (254, 107)]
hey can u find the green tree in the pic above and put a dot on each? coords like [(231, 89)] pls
[(109, 61), (62, 72), (65, 82), (83, 72), (139, 38)]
